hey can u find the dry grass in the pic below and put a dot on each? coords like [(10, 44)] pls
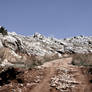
[(39, 60), (25, 60), (82, 59), (48, 57)]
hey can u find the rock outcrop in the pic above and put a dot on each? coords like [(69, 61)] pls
[(40, 46)]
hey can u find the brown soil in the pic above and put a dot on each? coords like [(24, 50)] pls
[(80, 76), (44, 74)]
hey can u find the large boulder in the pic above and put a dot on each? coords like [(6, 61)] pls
[(9, 42)]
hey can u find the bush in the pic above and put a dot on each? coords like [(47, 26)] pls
[(48, 57), (39, 60), (3, 31), (82, 59)]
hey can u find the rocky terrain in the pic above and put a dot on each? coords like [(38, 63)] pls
[(43, 64), (20, 48)]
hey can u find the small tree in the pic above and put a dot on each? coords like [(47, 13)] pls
[(3, 31)]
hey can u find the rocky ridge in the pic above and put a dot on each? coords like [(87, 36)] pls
[(21, 47)]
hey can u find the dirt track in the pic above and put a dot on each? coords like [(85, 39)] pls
[(51, 67), (47, 71), (44, 85)]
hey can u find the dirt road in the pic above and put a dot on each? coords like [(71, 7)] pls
[(39, 79), (51, 67)]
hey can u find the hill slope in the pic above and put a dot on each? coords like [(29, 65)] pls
[(44, 64)]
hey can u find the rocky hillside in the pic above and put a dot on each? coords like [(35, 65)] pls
[(44, 64), (19, 48)]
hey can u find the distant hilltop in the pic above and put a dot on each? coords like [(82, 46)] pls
[(41, 44)]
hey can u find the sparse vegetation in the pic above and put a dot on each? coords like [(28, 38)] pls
[(48, 57), (82, 59), (39, 60), (3, 31)]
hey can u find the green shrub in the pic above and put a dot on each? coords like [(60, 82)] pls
[(3, 31)]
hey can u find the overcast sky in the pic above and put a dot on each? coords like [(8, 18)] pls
[(58, 18)]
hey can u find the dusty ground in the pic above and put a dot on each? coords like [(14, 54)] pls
[(38, 79)]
